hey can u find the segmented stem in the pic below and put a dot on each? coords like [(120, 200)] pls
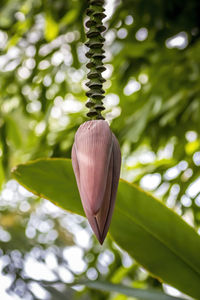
[(96, 55)]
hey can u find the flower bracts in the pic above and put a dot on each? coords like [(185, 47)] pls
[(96, 160)]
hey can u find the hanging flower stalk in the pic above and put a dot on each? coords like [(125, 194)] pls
[(96, 55), (96, 156)]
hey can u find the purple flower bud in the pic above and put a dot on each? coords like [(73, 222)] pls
[(96, 160)]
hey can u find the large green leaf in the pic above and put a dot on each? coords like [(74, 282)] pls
[(150, 232), (125, 290), (52, 179), (51, 28)]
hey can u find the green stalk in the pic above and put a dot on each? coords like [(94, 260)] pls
[(96, 55)]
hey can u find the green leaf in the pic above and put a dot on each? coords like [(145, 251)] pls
[(128, 291), (149, 231), (157, 238), (69, 17), (1, 173), (13, 131), (52, 179), (51, 28)]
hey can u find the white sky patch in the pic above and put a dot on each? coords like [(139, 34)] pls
[(56, 112), (171, 173), (183, 165), (147, 157), (189, 217), (37, 270), (20, 16), (127, 260), (141, 34), (30, 51), (60, 77), (150, 181), (197, 201), (110, 36), (132, 87), (179, 41), (106, 258), (10, 66), (82, 238), (24, 72), (194, 188), (129, 20), (47, 81), (65, 275), (40, 128), (92, 274), (39, 291), (34, 107), (114, 113), (187, 174), (4, 235), (44, 64), (119, 24), (109, 7), (24, 191), (172, 291), (143, 155), (166, 152), (7, 195), (186, 201), (111, 100), (163, 188), (122, 33), (108, 72), (76, 75), (74, 258), (191, 136), (13, 52), (3, 39), (30, 63), (5, 282), (196, 158), (71, 106)]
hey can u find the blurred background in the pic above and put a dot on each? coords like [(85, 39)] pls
[(152, 103)]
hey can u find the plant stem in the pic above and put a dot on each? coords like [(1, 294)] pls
[(96, 54)]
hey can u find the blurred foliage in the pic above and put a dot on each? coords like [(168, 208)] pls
[(153, 104)]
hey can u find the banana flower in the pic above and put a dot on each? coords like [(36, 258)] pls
[(96, 160)]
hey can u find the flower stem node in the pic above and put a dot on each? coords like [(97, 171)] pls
[(96, 160)]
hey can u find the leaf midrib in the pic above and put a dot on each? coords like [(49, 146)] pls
[(160, 240)]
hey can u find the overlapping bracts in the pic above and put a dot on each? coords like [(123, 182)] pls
[(96, 161)]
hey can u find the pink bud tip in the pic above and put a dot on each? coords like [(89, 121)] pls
[(96, 160)]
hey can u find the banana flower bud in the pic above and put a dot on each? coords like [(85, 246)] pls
[(96, 160)]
